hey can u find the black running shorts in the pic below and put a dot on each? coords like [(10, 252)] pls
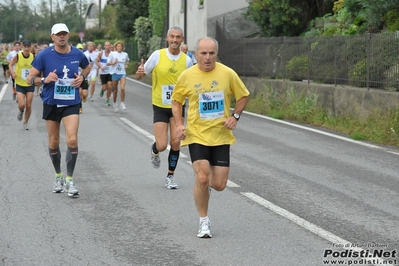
[(105, 78), (54, 113), (163, 114), (215, 155)]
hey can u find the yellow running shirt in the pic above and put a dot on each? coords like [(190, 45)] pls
[(164, 77), (209, 97), (22, 68)]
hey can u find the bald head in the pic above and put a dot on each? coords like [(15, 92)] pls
[(206, 39)]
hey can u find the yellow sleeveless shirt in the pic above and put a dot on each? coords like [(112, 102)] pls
[(164, 78), (22, 68)]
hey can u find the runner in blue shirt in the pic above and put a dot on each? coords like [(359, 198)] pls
[(61, 99)]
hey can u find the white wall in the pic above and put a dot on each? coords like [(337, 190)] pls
[(176, 17), (196, 20), (197, 16), (196, 24)]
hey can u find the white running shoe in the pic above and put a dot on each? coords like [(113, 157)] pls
[(26, 126), (204, 230), (170, 182), (123, 106), (72, 190), (58, 184), (115, 107)]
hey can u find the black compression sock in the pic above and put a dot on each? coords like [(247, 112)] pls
[(71, 156), (172, 159)]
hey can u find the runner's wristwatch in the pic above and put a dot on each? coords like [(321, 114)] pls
[(42, 80), (236, 116)]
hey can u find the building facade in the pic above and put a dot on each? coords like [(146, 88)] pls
[(93, 11), (199, 18)]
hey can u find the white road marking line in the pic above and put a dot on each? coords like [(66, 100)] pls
[(393, 152), (145, 133), (3, 91), (142, 83), (232, 184), (342, 243), (137, 128)]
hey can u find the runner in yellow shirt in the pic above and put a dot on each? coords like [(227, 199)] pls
[(23, 64), (165, 66), (209, 87)]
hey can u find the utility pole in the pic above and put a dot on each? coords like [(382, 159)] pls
[(99, 16), (80, 15), (35, 20), (51, 12), (14, 10), (185, 22)]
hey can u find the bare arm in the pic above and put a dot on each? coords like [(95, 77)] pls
[(231, 122), (80, 78), (240, 105), (177, 115), (11, 66), (110, 62), (34, 77), (98, 60)]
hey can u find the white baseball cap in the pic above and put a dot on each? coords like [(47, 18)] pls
[(59, 27)]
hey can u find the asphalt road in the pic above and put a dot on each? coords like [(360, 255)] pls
[(296, 196)]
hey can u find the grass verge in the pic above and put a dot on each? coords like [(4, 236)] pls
[(380, 127)]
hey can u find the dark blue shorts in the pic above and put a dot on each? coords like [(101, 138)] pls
[(24, 90)]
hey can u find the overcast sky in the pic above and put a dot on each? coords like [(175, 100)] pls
[(35, 2)]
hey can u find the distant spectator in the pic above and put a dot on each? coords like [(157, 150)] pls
[(184, 49)]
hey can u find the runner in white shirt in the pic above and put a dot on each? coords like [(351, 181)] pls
[(92, 55), (119, 61), (105, 76)]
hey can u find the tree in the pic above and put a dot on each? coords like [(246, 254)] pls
[(285, 17), (371, 12), (43, 16), (157, 12), (20, 17), (143, 31), (127, 12), (68, 12), (108, 16)]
